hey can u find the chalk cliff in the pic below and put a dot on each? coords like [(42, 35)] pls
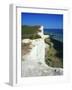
[(33, 58)]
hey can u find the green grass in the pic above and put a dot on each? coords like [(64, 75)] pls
[(54, 57), (30, 32)]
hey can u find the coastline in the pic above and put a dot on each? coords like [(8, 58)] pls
[(54, 56), (58, 35), (40, 54)]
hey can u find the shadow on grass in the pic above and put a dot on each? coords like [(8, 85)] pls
[(54, 55), (59, 47)]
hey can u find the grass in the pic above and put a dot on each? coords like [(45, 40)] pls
[(30, 32), (48, 41), (54, 55)]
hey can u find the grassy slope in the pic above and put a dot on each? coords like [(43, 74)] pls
[(54, 56), (30, 32)]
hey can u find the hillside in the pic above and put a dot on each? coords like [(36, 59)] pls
[(54, 55), (30, 32)]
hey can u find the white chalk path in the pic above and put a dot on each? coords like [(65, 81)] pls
[(30, 68), (33, 65)]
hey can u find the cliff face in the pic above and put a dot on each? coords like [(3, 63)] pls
[(41, 33), (33, 58)]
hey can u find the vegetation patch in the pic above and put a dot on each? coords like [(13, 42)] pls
[(30, 32), (54, 54)]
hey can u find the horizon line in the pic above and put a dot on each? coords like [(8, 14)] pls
[(41, 25)]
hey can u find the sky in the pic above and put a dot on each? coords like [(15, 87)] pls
[(49, 21)]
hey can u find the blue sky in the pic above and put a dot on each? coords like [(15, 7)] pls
[(51, 21)]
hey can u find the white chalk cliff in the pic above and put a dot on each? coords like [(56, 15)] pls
[(33, 62)]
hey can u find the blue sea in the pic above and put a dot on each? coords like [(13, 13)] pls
[(55, 33)]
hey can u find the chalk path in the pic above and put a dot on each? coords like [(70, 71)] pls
[(30, 68)]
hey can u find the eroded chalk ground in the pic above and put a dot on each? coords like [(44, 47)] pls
[(30, 68)]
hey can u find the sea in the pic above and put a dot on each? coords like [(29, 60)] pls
[(55, 33)]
